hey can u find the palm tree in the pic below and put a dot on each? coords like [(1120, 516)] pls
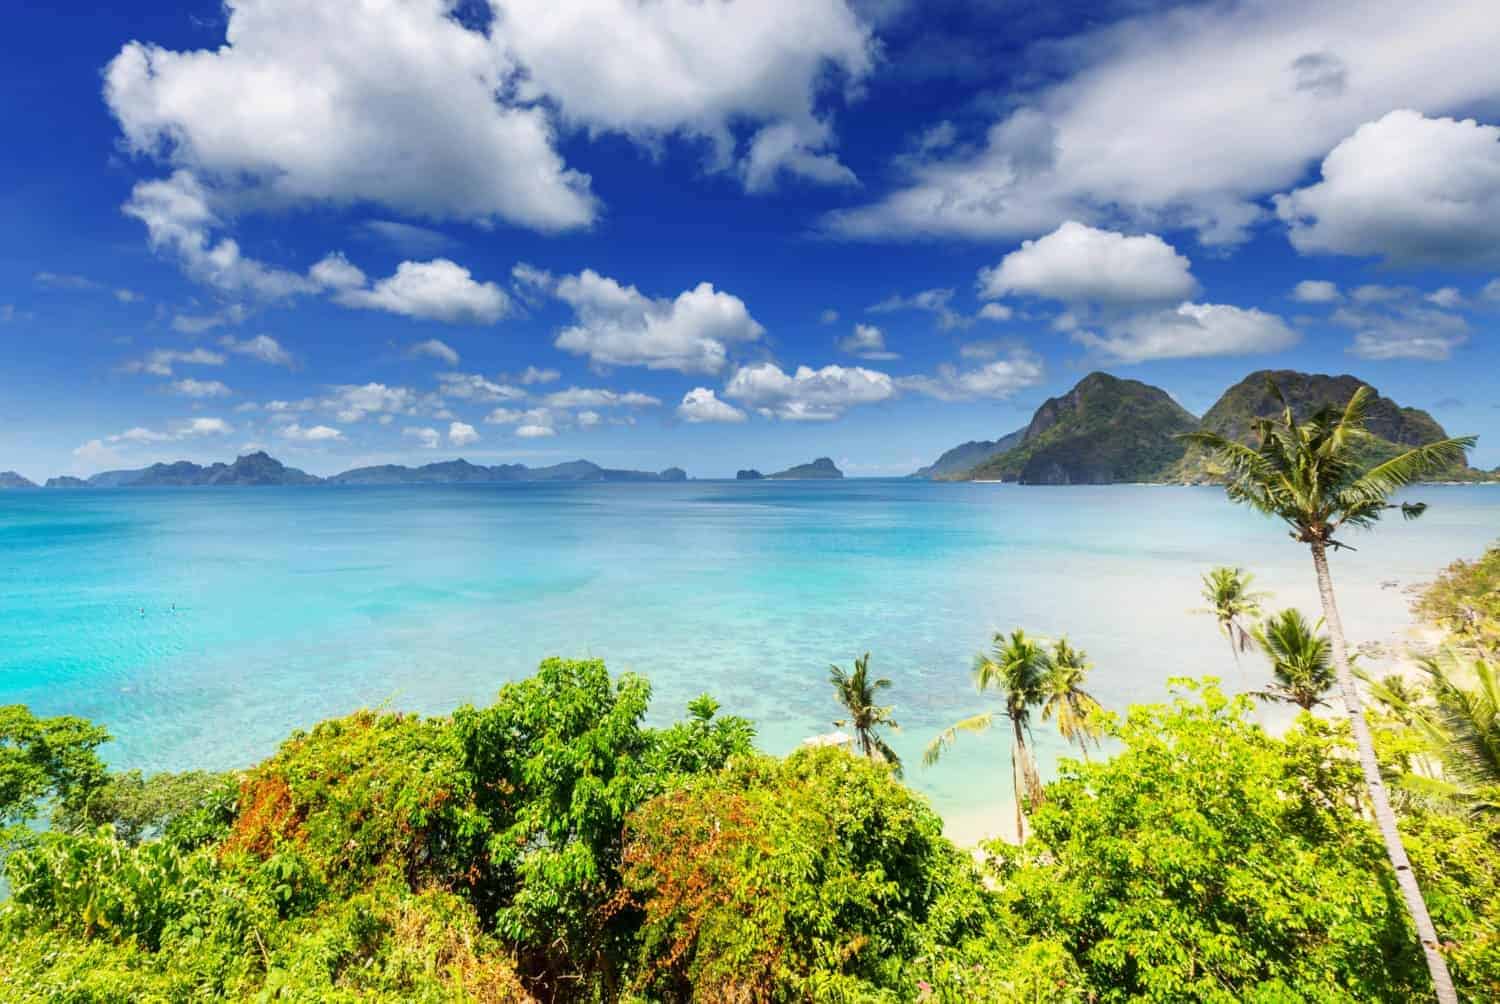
[(1230, 600), (1017, 667), (1308, 475), (1067, 700), (856, 692), (1300, 660), (1465, 728)]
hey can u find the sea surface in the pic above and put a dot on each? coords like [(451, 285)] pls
[(201, 626)]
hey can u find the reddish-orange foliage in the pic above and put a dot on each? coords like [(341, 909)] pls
[(267, 816)]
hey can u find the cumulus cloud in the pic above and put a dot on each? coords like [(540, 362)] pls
[(535, 431), (1191, 330), (597, 397), (140, 435), (533, 375), (309, 434), (1408, 189), (437, 290), (334, 271), (995, 312), (462, 434), (999, 379), (200, 388), (1316, 291), (1079, 264), (1226, 104), (701, 404), (618, 325), (262, 348), (937, 302), (807, 394), (355, 402), (473, 387), (867, 342), (160, 362), (1402, 328), (650, 70), (401, 106), (427, 437), (1449, 298), (433, 348)]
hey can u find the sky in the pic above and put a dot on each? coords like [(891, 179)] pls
[(720, 233)]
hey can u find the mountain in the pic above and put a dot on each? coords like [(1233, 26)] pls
[(10, 479), (969, 455), (451, 472), (820, 469), (1105, 430), (748, 475), (257, 468), (1395, 428), (66, 482)]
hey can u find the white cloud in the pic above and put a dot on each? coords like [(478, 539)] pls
[(428, 438), (205, 427), (180, 220), (433, 348), (437, 290), (1402, 329), (408, 238), (1079, 264), (1000, 379), (58, 280), (867, 342), (310, 434), (462, 434), (650, 70), (807, 394), (934, 301), (354, 402), (128, 296), (1316, 291), (1191, 330), (160, 362), (596, 397), (701, 404), (262, 348), (1225, 103), (1449, 298), (995, 312), (535, 431), (473, 387), (401, 106), (188, 429), (334, 271), (532, 375), (200, 388), (196, 324), (1491, 291), (617, 325), (94, 454), (1409, 189)]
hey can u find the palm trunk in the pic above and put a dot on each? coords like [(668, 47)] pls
[(1416, 906), (1015, 787), (1029, 776)]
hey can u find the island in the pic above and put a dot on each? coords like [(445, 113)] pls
[(822, 469), (10, 479), (748, 475)]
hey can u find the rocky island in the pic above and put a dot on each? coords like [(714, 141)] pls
[(822, 469)]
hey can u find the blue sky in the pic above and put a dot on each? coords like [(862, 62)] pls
[(724, 234)]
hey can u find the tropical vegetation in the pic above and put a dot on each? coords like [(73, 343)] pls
[(1309, 474), (856, 692), (1301, 660), (1234, 604)]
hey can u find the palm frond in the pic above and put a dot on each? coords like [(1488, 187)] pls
[(946, 738)]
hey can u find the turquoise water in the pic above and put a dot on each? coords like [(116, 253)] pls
[(201, 626)]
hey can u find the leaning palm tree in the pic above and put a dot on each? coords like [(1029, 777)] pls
[(1307, 473), (856, 692), (1017, 668), (1301, 661), (1233, 604), (1066, 699), (1465, 727)]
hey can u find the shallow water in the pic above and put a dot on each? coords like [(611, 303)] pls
[(201, 626)]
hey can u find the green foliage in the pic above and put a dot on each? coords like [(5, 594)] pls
[(1301, 659), (1233, 604), (136, 806), (814, 878), (45, 759), (1211, 862), (856, 692)]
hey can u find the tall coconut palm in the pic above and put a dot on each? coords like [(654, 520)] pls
[(1066, 700), (1016, 667), (856, 692), (1307, 474), (1301, 660), (1465, 728), (1233, 605)]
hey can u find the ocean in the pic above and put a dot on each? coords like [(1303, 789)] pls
[(201, 626)]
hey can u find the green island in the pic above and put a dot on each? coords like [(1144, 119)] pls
[(552, 847)]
